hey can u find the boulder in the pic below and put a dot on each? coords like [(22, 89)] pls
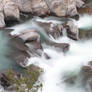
[(31, 39), (51, 28), (63, 7), (19, 52), (72, 30), (11, 10)]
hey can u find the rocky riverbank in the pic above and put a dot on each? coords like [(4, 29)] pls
[(11, 9)]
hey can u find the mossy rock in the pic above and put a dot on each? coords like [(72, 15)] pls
[(25, 80)]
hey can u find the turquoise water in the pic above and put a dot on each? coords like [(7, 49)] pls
[(6, 62)]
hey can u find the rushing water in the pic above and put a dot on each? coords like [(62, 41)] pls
[(85, 22), (63, 66)]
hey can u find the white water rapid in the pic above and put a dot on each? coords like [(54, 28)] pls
[(63, 66)]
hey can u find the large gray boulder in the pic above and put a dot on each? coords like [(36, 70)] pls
[(11, 10)]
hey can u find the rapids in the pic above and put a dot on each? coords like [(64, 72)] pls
[(62, 66)]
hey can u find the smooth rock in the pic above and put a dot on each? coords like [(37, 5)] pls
[(11, 10)]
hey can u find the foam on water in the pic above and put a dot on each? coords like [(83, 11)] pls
[(84, 22), (63, 64)]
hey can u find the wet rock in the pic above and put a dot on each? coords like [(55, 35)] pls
[(30, 41), (72, 30), (21, 57), (4, 81), (46, 56), (29, 35), (53, 29), (63, 46), (83, 34)]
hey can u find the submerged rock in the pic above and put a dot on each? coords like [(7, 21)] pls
[(63, 46), (83, 34)]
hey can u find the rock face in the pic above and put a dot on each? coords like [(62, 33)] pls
[(72, 30)]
